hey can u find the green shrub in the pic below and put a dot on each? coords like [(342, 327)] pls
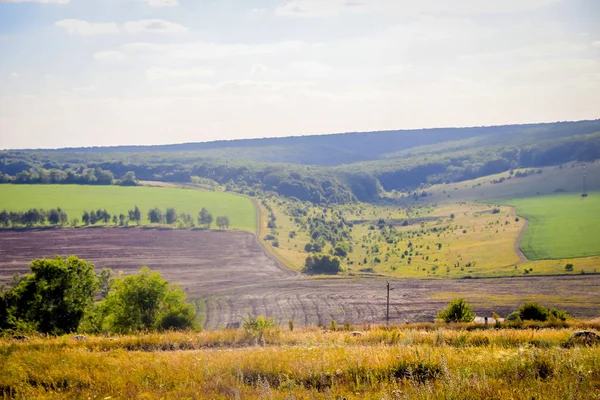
[(533, 312), (457, 311)]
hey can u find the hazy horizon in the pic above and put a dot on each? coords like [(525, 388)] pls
[(77, 73), (286, 136)]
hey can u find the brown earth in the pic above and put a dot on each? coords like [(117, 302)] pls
[(234, 276)]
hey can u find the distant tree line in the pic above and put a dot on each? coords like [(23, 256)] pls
[(57, 297), (33, 217), (361, 175), (57, 216), (81, 176)]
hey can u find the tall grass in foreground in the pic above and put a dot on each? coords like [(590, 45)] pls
[(422, 362)]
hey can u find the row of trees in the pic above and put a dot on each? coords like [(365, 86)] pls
[(57, 297), (170, 217), (82, 176), (32, 217)]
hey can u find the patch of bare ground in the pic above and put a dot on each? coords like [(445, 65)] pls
[(235, 274)]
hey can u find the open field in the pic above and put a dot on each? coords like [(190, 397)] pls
[(379, 363), (560, 226), (196, 259), (229, 275), (422, 240), (74, 199)]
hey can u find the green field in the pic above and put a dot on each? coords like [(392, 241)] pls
[(560, 226), (74, 199)]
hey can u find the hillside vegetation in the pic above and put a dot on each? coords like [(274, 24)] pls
[(326, 168)]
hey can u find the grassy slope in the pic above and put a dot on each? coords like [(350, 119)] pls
[(552, 179), (306, 364), (561, 226), (74, 199), (476, 242)]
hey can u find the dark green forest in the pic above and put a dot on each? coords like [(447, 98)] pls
[(322, 169)]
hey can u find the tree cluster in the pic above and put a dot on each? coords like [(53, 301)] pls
[(322, 264), (33, 217), (57, 297)]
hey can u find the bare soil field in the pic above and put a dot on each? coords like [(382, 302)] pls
[(231, 275), (197, 260)]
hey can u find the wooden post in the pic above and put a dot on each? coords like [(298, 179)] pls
[(387, 309)]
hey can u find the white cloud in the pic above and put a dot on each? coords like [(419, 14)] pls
[(204, 50), (332, 8), (110, 55), (14, 75), (596, 43), (153, 26), (161, 73), (163, 3), (311, 69), (37, 1), (76, 26)]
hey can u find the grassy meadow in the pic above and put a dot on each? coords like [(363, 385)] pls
[(560, 226), (454, 240), (424, 361), (74, 199), (446, 241)]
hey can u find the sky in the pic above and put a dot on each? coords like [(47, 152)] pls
[(111, 72)]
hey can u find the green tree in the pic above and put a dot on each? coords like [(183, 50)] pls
[(129, 179), (155, 215), (341, 249), (86, 218), (52, 298), (171, 216), (146, 302), (105, 281), (54, 217), (457, 311), (135, 215), (4, 220), (223, 222), (205, 218), (322, 264)]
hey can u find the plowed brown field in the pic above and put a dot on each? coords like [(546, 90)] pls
[(233, 274)]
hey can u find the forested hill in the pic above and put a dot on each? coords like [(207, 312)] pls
[(322, 169), (347, 148)]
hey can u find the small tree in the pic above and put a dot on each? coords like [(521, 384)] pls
[(205, 218), (129, 179), (569, 267), (135, 215), (155, 215), (171, 216), (457, 311), (122, 219), (147, 302), (223, 222), (86, 218)]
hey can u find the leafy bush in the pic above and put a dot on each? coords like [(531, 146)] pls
[(323, 264), (533, 312), (569, 267), (457, 311)]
